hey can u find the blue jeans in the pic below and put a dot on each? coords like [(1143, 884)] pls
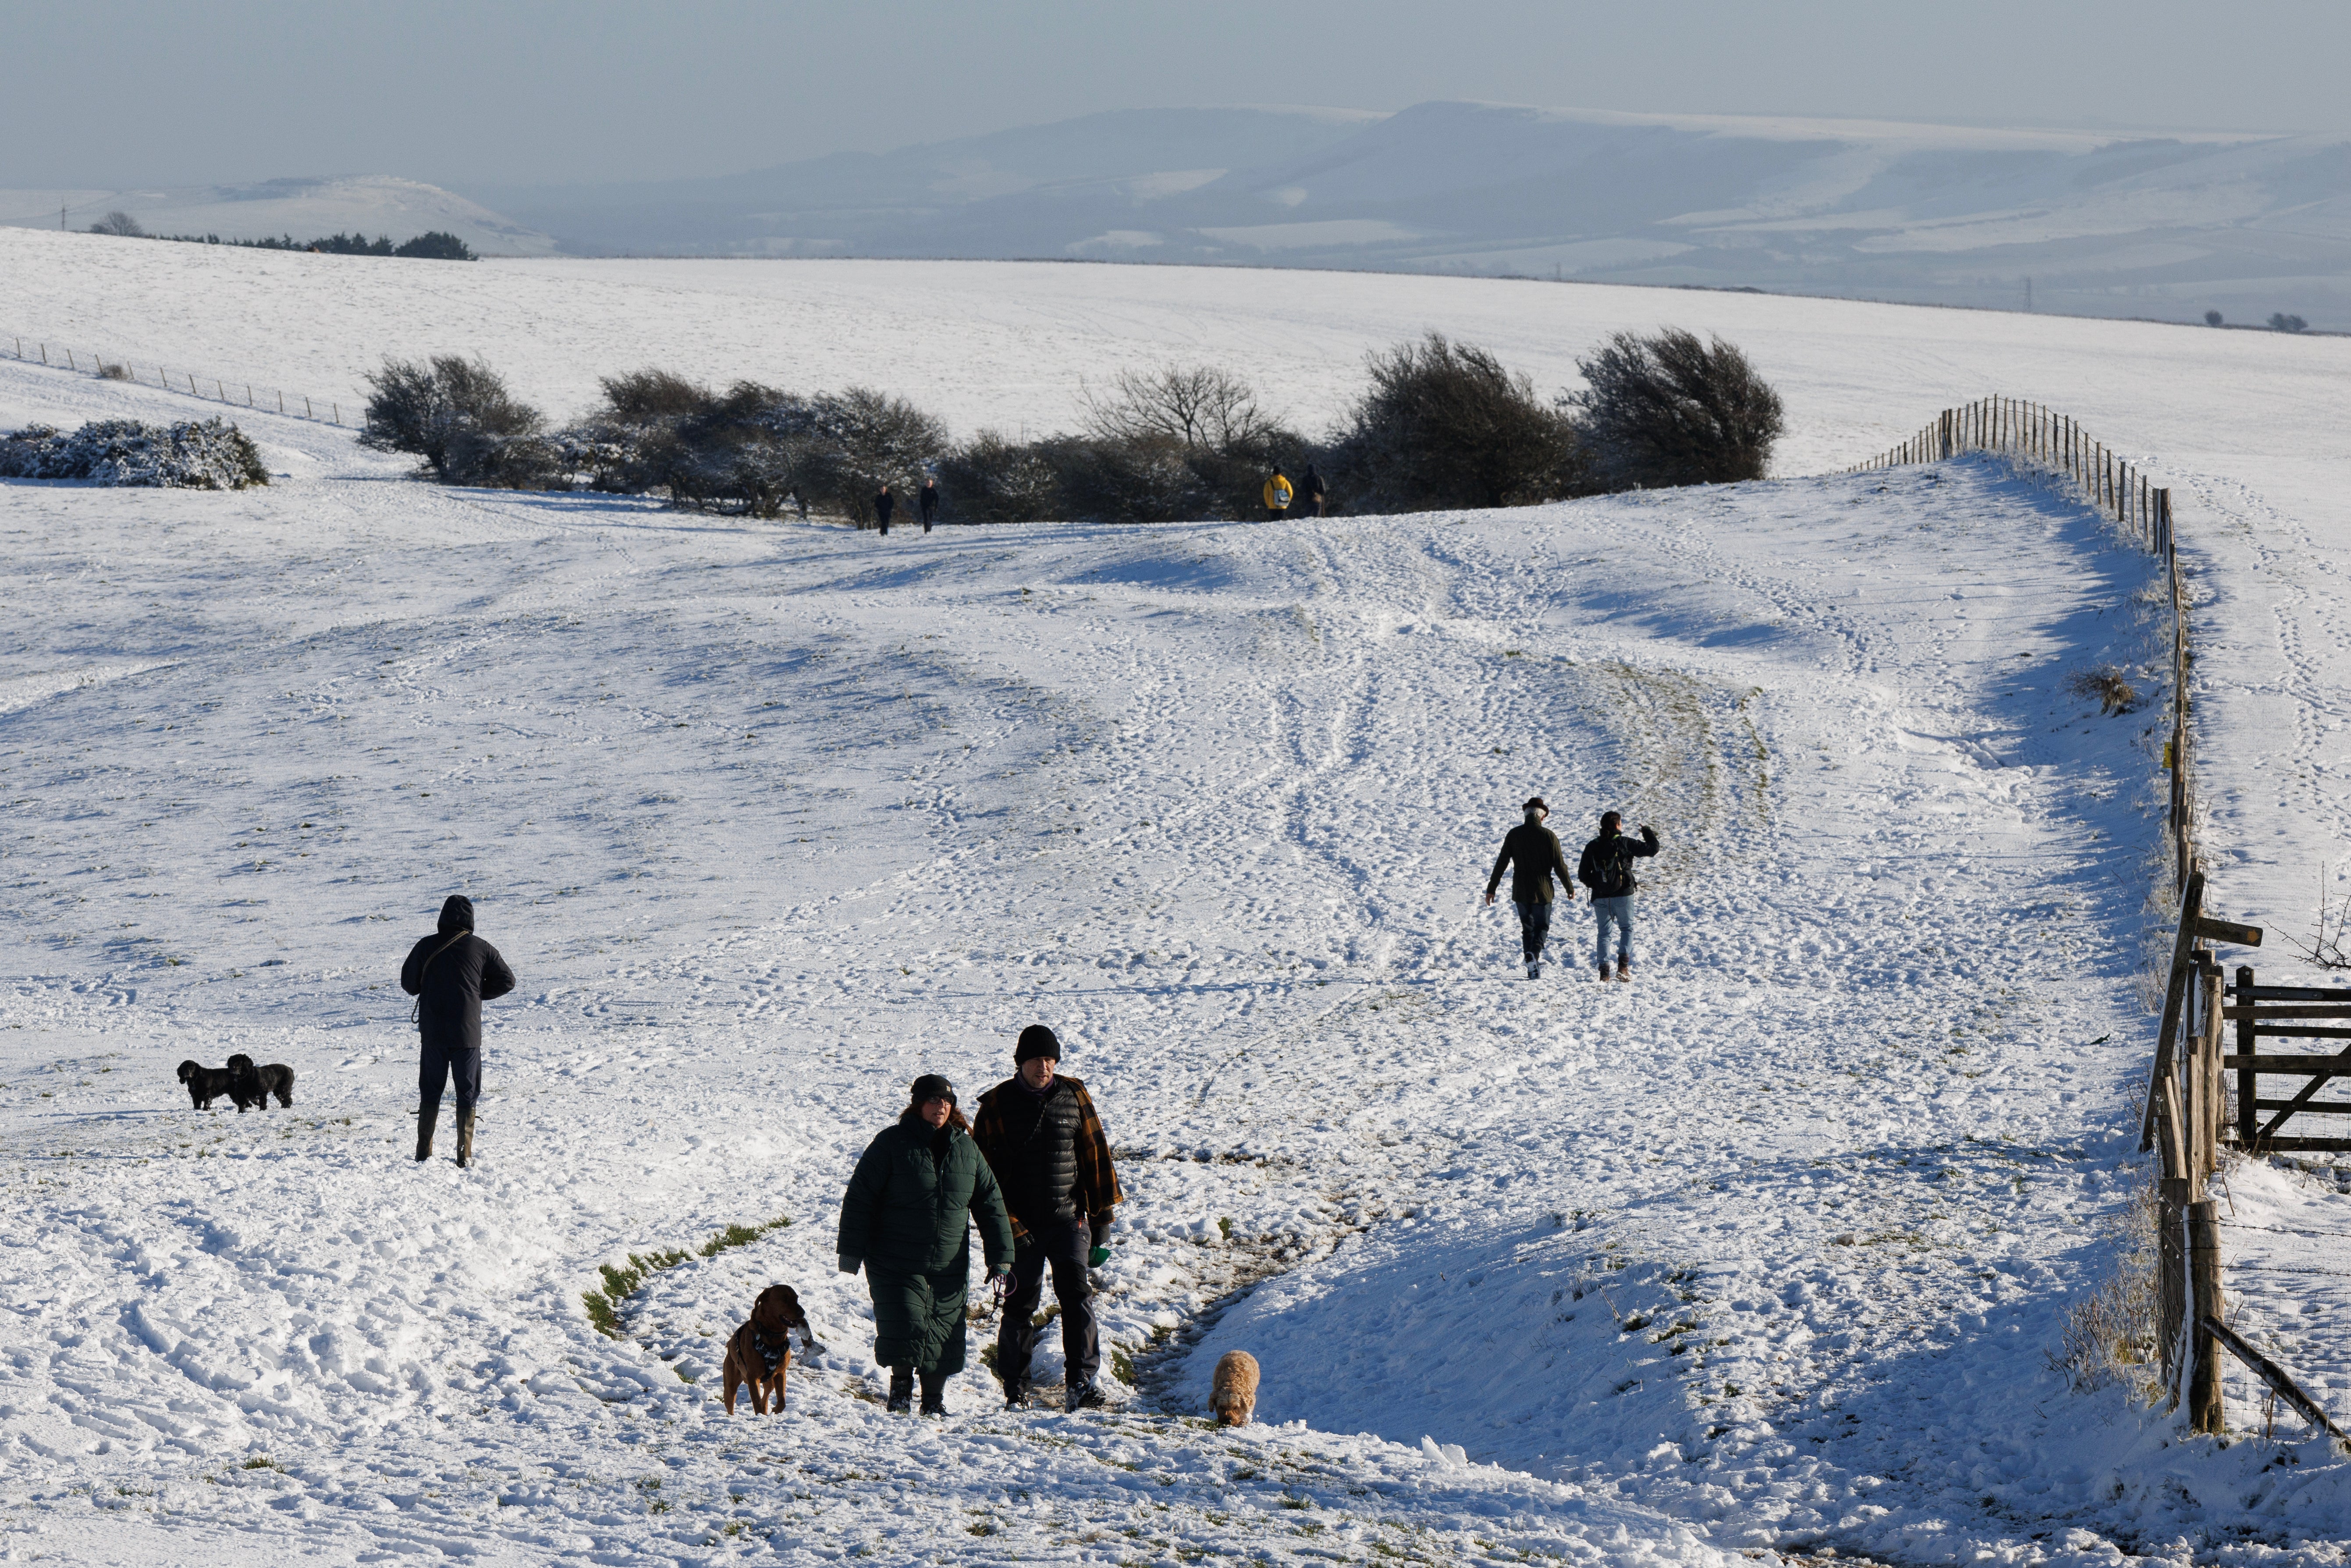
[(1534, 925), (1618, 911)]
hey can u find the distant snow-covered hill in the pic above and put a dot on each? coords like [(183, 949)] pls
[(304, 209), (2100, 222)]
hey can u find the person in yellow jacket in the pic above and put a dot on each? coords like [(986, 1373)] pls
[(1277, 496)]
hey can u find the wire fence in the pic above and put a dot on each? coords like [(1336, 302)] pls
[(100, 366)]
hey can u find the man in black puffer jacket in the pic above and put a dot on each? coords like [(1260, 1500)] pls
[(452, 973), (1607, 869), (1046, 1146)]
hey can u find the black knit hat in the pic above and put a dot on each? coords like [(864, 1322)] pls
[(931, 1086), (1036, 1040)]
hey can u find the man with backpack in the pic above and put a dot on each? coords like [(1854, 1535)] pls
[(1532, 852), (1277, 496), (1607, 869), (451, 974)]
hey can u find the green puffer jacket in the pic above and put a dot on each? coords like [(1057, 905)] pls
[(906, 1217), (910, 1212)]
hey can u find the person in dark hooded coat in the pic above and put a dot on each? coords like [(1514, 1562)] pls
[(907, 1219), (451, 974)]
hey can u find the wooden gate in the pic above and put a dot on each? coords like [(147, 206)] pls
[(2290, 1013)]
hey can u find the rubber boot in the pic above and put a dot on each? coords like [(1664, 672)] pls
[(425, 1120), (935, 1393), (465, 1136), (902, 1390)]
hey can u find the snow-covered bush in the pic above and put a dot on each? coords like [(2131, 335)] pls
[(211, 455), (1669, 410)]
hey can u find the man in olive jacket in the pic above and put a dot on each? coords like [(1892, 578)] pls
[(1607, 869), (452, 973), (907, 1219), (1532, 851), (1040, 1134)]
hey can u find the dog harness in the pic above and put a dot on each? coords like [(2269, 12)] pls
[(771, 1356)]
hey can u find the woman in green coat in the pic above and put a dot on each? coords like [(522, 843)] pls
[(907, 1219)]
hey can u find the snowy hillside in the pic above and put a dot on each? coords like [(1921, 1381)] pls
[(1760, 1253), (2149, 224)]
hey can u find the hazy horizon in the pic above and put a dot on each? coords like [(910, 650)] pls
[(122, 96)]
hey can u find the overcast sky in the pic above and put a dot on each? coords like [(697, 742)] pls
[(107, 94)]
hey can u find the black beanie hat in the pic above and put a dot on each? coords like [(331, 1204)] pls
[(931, 1086), (1036, 1041)]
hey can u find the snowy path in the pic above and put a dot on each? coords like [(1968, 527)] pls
[(769, 819)]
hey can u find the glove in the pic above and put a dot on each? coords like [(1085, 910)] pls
[(1098, 1257), (1101, 1254)]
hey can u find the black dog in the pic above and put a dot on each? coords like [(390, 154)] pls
[(205, 1084), (251, 1086)]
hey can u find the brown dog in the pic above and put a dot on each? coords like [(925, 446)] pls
[(761, 1350), (1233, 1396)]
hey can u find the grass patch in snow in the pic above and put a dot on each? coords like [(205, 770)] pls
[(621, 1283)]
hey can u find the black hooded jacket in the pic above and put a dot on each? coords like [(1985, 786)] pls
[(1606, 867), (454, 972)]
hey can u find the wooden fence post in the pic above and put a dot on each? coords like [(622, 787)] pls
[(2205, 1410), (2171, 1283), (2247, 1044)]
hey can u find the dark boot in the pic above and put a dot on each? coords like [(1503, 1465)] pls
[(935, 1393), (902, 1390), (1624, 969), (425, 1120), (465, 1136)]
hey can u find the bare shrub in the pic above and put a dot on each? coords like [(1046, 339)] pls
[(2109, 1335), (2326, 946), (114, 372), (1199, 407), (1668, 409), (119, 222), (1445, 425), (459, 417), (2108, 685), (2212, 318)]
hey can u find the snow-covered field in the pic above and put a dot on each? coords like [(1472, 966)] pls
[(1761, 1253)]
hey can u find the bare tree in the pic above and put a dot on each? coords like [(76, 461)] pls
[(1670, 410), (119, 222), (1199, 407), (2282, 322)]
